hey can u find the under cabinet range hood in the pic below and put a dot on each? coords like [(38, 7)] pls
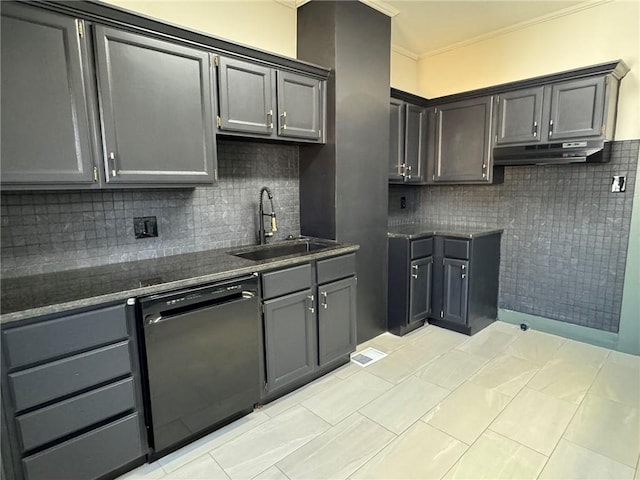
[(595, 151)]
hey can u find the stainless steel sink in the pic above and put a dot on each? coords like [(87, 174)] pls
[(267, 252)]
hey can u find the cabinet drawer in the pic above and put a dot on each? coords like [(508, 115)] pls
[(63, 336), (421, 248), (454, 248), (56, 421), (336, 267), (286, 281), (47, 382), (88, 456)]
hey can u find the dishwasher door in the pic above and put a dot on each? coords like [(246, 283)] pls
[(202, 365)]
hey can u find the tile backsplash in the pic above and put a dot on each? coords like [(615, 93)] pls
[(52, 231), (565, 239)]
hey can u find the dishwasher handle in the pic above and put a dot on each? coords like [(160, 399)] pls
[(155, 318)]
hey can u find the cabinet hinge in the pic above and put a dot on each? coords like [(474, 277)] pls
[(80, 27), (262, 307), (441, 314), (215, 174), (218, 121), (497, 98), (95, 173), (215, 60), (266, 386), (320, 133)]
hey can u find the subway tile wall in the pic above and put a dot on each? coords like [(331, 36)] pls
[(52, 231), (565, 239)]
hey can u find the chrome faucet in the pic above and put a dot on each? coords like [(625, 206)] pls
[(262, 234)]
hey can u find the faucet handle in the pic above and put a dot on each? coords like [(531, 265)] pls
[(274, 223)]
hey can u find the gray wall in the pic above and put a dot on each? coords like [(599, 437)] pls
[(47, 232), (344, 183), (565, 238)]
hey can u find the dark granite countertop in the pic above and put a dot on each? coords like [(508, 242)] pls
[(426, 229), (26, 297)]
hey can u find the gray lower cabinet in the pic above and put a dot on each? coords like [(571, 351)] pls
[(309, 315), (260, 101), (71, 395), (455, 290), (290, 337), (465, 282), (461, 151), (156, 102), (46, 131), (410, 268), (336, 320)]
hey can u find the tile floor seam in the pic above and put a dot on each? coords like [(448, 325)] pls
[(573, 416), (216, 462)]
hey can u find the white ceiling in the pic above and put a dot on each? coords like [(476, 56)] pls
[(424, 27)]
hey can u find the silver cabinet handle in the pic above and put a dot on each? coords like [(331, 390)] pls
[(324, 299), (550, 128), (464, 275), (112, 164), (270, 118), (415, 268), (535, 129), (311, 304), (283, 115)]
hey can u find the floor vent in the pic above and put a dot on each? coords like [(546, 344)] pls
[(367, 356)]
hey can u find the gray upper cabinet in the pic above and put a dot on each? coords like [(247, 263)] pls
[(246, 97), (568, 110), (252, 97), (461, 152), (407, 142), (396, 140), (519, 116), (156, 102), (46, 134), (299, 106), (577, 109)]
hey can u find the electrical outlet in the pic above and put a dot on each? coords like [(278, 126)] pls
[(145, 227), (618, 184), (403, 202)]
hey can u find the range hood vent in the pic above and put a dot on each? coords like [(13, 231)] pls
[(553, 153)]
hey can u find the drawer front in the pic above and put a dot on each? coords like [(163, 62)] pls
[(37, 385), (88, 456), (64, 336), (336, 267), (454, 248), (421, 248), (283, 282), (64, 418)]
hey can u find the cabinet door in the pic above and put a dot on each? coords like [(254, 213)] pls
[(289, 333), (336, 319), (420, 289), (463, 134), (577, 109), (519, 116), (396, 139), (456, 289), (246, 97), (299, 106), (46, 136), (157, 110), (415, 146)]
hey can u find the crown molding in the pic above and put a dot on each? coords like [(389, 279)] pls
[(405, 52), (382, 7), (517, 26), (292, 3)]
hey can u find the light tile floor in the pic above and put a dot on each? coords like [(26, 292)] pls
[(501, 404)]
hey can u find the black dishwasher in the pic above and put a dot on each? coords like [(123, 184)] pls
[(201, 360)]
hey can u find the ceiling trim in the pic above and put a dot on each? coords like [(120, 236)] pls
[(517, 26), (383, 7), (292, 3), (405, 52)]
